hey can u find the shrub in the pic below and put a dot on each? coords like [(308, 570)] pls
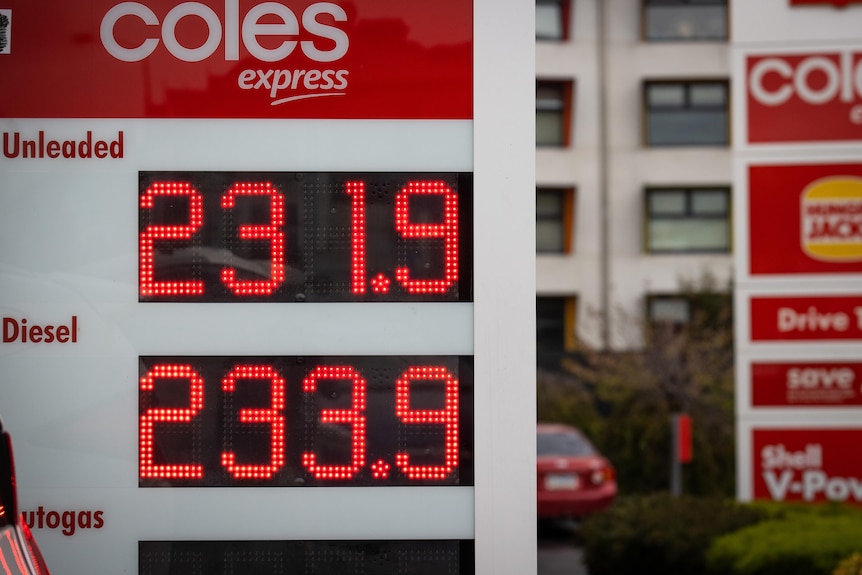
[(851, 565), (660, 534), (797, 540)]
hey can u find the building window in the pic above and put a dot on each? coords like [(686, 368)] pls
[(688, 220), (553, 113), (686, 113), (555, 329), (667, 309), (554, 220), (706, 309), (686, 20), (552, 19)]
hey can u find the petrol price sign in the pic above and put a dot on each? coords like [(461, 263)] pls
[(238, 245)]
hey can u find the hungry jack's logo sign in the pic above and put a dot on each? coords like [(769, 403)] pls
[(805, 219)]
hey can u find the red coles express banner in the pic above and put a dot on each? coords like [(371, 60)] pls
[(805, 219), (384, 59), (823, 384), (808, 97), (806, 318), (807, 465)]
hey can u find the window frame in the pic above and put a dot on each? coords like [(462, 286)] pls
[(691, 303), (651, 298), (566, 87), (687, 107), (689, 215), (565, 16), (647, 4), (567, 322), (565, 220)]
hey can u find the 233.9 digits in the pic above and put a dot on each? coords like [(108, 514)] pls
[(303, 421)]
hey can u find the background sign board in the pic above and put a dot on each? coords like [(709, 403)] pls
[(798, 310), (237, 252), (833, 3), (804, 96), (806, 464), (806, 384), (783, 26), (805, 219), (821, 318)]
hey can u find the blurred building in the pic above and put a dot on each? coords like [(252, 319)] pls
[(633, 165)]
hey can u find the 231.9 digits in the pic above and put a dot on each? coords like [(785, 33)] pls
[(223, 236), (303, 421)]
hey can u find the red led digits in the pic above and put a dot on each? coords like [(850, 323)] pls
[(179, 415), (448, 416), (448, 230), (271, 416), (356, 191), (355, 417), (285, 421), (272, 232), (149, 287), (380, 470), (304, 237)]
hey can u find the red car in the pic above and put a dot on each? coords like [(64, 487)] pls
[(574, 479), (19, 554)]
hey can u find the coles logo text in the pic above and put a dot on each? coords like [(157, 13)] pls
[(226, 30), (805, 97)]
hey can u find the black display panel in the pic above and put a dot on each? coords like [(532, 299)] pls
[(292, 421), (410, 557), (305, 236)]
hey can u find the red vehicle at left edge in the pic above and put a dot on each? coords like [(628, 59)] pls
[(19, 554)]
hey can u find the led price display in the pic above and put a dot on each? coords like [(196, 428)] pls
[(413, 557), (305, 237), (305, 421)]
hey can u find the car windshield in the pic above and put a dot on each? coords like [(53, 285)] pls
[(563, 444)]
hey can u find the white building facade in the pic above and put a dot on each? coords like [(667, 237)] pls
[(633, 165)]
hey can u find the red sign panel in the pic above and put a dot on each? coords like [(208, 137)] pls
[(806, 318), (386, 59), (684, 447), (805, 219), (811, 97), (807, 465), (837, 3), (835, 384)]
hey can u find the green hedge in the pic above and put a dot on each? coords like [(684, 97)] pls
[(851, 565), (797, 540), (710, 536), (660, 534)]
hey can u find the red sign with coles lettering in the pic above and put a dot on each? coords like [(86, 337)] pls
[(805, 219), (804, 97), (806, 318), (386, 59), (821, 384), (837, 3), (807, 465)]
